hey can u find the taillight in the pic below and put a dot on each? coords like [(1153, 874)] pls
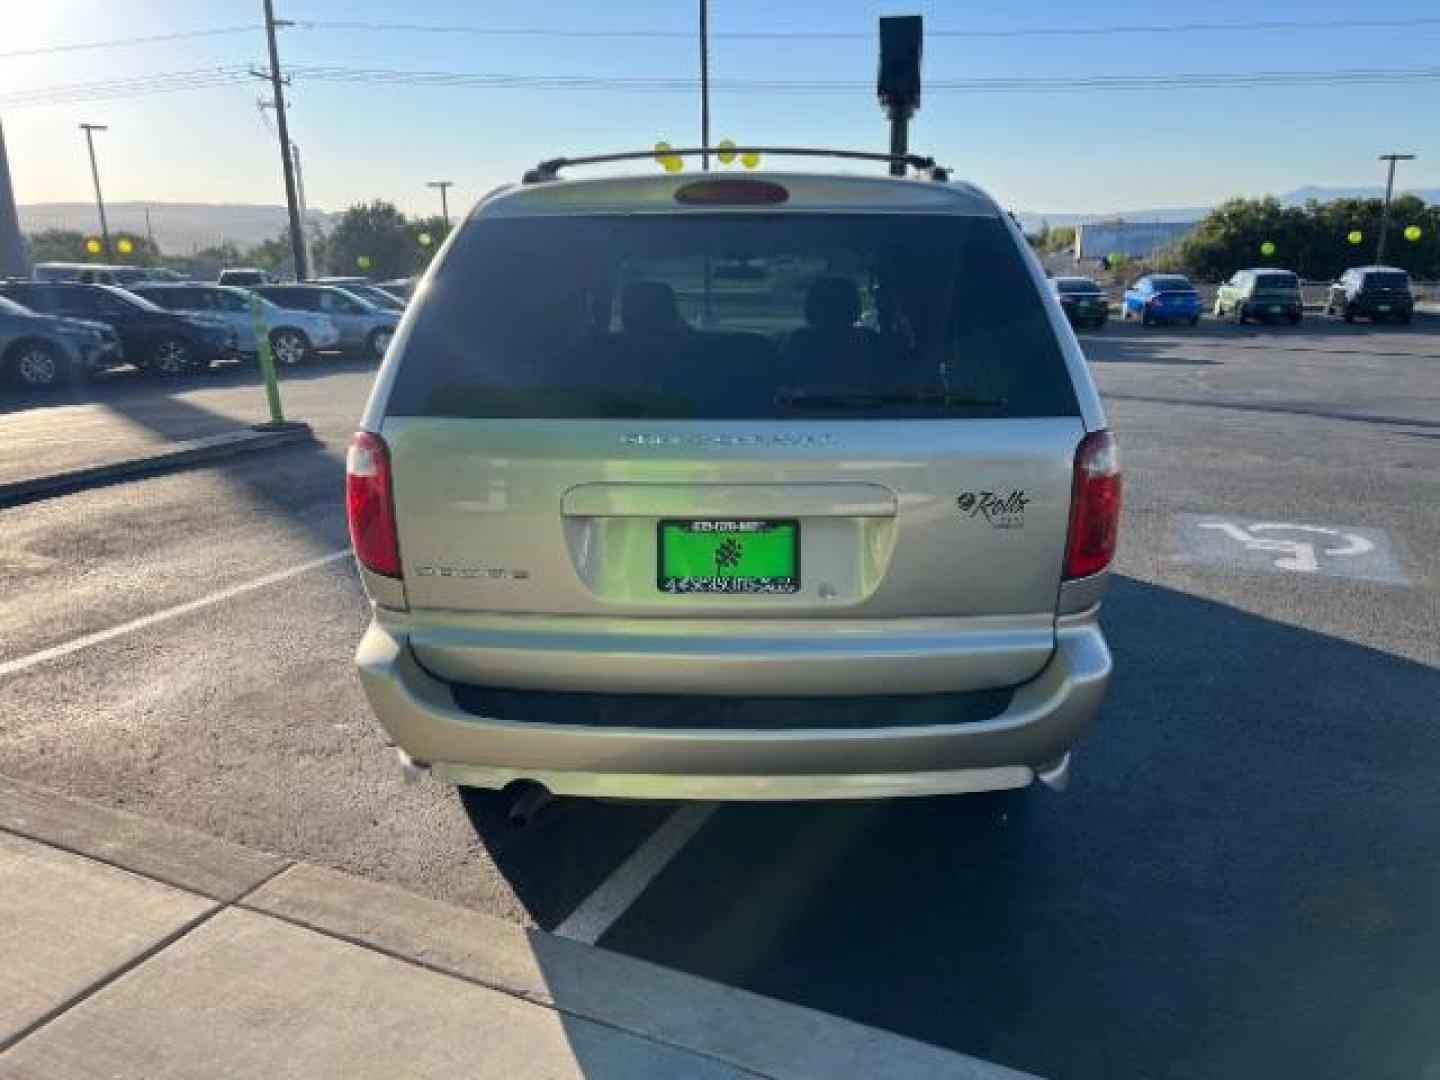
[(371, 505), (1094, 506)]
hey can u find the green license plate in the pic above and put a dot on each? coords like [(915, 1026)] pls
[(729, 556), (1382, 307), (1275, 309)]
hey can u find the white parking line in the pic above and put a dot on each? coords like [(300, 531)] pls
[(600, 910), (10, 667)]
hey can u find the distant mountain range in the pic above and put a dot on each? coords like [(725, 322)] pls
[(180, 228), (1032, 220)]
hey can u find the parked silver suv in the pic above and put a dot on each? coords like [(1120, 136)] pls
[(759, 486)]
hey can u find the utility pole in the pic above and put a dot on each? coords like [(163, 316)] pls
[(13, 260), (705, 84), (300, 192), (292, 199), (444, 186), (90, 130), (149, 231), (1385, 213)]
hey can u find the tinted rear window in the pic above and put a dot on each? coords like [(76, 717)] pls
[(1387, 279), (1082, 285), (1172, 284), (1277, 282), (760, 316)]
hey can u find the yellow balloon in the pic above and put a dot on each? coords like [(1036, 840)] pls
[(662, 148), (1355, 236), (672, 163), (750, 160), (93, 246), (1413, 232), (727, 152), (362, 261), (424, 239), (124, 245)]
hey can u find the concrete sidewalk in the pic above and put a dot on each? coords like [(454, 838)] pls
[(130, 948)]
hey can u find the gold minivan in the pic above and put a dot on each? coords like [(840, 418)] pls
[(777, 485)]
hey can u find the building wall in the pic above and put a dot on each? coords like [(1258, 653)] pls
[(1134, 239)]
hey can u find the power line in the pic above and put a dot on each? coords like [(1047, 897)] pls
[(83, 46), (865, 35), (1418, 22), (1057, 84), (205, 78), (162, 83)]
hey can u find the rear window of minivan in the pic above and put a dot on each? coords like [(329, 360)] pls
[(730, 316), (1277, 282), (1386, 279)]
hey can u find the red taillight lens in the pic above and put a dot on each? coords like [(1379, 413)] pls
[(1094, 506), (370, 505)]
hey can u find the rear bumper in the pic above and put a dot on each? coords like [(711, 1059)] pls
[(1044, 718)]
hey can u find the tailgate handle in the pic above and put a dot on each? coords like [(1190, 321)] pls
[(728, 501)]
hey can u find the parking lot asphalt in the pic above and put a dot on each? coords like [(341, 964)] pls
[(1241, 879)]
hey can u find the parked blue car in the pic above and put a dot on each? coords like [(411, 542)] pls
[(1161, 298)]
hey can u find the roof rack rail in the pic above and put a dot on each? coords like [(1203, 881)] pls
[(550, 170)]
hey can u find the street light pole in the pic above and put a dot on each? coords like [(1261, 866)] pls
[(444, 186), (1385, 213), (705, 83), (90, 130)]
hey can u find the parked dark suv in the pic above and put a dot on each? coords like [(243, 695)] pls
[(1375, 292), (42, 352), (150, 337)]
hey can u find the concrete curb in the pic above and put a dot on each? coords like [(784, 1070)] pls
[(171, 457), (737, 1032)]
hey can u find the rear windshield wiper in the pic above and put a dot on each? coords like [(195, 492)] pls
[(862, 399)]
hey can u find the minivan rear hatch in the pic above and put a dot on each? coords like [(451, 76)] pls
[(752, 421)]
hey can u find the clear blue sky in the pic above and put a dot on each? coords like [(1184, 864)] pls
[(1074, 151)]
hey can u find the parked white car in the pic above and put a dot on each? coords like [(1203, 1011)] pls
[(295, 336)]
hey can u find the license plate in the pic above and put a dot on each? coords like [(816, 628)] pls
[(729, 557), (1277, 311), (1382, 307)]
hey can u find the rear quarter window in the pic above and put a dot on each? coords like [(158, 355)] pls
[(730, 316)]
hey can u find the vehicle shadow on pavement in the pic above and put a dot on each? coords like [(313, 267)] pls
[(1241, 880), (572, 846)]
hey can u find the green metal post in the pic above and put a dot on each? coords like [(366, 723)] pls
[(267, 360)]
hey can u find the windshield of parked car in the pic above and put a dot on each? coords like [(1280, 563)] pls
[(129, 298), (732, 317)]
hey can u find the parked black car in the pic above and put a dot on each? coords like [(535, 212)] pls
[(43, 352), (1084, 302), (1374, 292), (150, 337)]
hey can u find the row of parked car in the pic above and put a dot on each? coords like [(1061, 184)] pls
[(1262, 294), (54, 331)]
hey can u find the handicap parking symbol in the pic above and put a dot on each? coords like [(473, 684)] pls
[(1349, 551)]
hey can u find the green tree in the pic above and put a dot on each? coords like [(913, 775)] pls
[(374, 239), (57, 245), (1314, 240)]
